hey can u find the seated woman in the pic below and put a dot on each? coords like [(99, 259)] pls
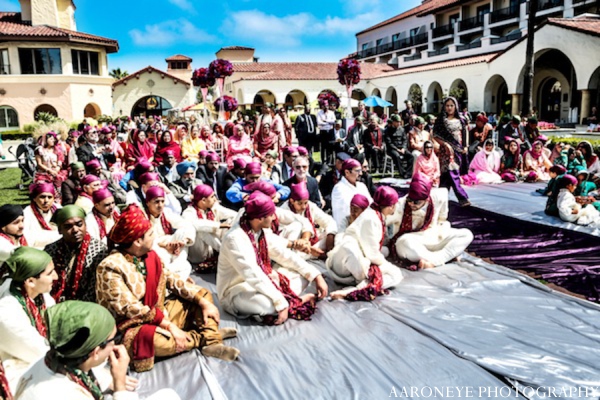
[(592, 162), (166, 144), (486, 164), (264, 141), (511, 163), (39, 231), (536, 163), (428, 164), (418, 137), (192, 145), (270, 168), (50, 159), (240, 146), (584, 186), (570, 210), (138, 150)]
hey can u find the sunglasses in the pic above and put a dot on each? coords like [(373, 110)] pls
[(301, 167), (118, 338), (409, 200)]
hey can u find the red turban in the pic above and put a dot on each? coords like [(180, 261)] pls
[(101, 194), (299, 191), (385, 196), (203, 153), (131, 226), (239, 163), (359, 201), (202, 192), (289, 150), (420, 187), (93, 164), (88, 179), (302, 151), (259, 206), (148, 177), (142, 167), (213, 157), (350, 164), (41, 187), (482, 118), (154, 192), (558, 169), (261, 186), (253, 168), (568, 180)]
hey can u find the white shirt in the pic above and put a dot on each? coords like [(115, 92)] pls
[(342, 195), (325, 120), (37, 236)]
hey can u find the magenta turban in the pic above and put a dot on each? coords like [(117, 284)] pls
[(558, 169), (289, 150), (142, 167), (568, 180), (299, 191), (542, 138), (154, 192), (169, 153), (360, 201), (88, 179), (101, 194), (93, 164), (239, 163), (253, 168), (385, 196), (202, 192), (259, 206), (350, 164), (203, 153), (302, 151), (261, 186), (213, 157), (148, 177), (41, 187), (420, 187)]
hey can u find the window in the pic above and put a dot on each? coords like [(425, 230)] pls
[(4, 64), (365, 46), (396, 37), (379, 41), (85, 62), (8, 118), (40, 61), (482, 10), (414, 32)]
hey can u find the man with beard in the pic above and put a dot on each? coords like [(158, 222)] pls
[(300, 165), (183, 188), (104, 215), (76, 256), (72, 185), (11, 230), (214, 175), (396, 145), (89, 150)]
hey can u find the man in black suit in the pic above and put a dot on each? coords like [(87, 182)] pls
[(396, 146), (355, 136), (306, 129), (301, 165), (362, 112), (88, 149), (214, 175), (287, 168), (332, 177)]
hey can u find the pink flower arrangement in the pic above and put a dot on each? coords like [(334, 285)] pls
[(348, 71), (542, 125), (229, 103), (220, 68), (329, 98), (203, 78)]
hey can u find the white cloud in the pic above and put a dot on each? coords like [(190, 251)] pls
[(348, 26), (180, 31), (183, 4)]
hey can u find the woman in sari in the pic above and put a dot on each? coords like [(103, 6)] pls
[(592, 163), (428, 164), (511, 163), (240, 146), (50, 159), (192, 145), (287, 126), (165, 145), (264, 141), (221, 140), (139, 148), (536, 163), (181, 133), (486, 164)]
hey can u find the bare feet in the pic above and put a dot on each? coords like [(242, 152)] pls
[(308, 297), (337, 296), (424, 264), (221, 351), (228, 333)]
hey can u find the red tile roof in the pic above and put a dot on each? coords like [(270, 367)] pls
[(441, 65), (588, 25), (178, 57), (439, 5), (236, 48), (12, 28), (303, 71), (150, 69)]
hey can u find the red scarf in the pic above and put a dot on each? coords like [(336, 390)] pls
[(275, 225), (375, 286), (315, 237), (209, 214), (59, 288), (166, 225), (40, 218), (376, 137), (4, 388), (33, 308), (406, 225), (21, 242), (101, 223), (297, 309)]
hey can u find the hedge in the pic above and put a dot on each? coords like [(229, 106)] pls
[(15, 135), (573, 142)]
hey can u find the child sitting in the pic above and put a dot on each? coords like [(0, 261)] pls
[(556, 172), (584, 187), (569, 209)]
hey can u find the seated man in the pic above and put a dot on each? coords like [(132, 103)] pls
[(324, 227), (358, 204), (94, 167), (237, 194), (346, 188), (133, 284), (396, 146), (89, 184), (129, 179), (301, 165), (331, 178), (72, 185), (82, 338), (11, 230), (211, 221), (168, 170), (76, 256), (358, 260), (237, 172), (569, 209), (38, 230), (104, 215), (422, 233), (22, 327), (183, 187), (248, 285), (213, 174), (146, 181)]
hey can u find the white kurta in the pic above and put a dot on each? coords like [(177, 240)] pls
[(171, 201), (350, 260), (6, 249), (85, 203), (21, 344), (242, 286), (94, 229), (566, 203), (438, 244), (326, 224), (184, 231), (37, 236), (209, 234), (342, 195), (291, 225)]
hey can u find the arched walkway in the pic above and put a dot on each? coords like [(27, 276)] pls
[(151, 105), (44, 108), (358, 94), (91, 110), (295, 98), (459, 90), (434, 98), (262, 97), (9, 118), (392, 96), (496, 97), (376, 92)]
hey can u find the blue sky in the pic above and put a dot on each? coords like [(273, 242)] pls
[(149, 31)]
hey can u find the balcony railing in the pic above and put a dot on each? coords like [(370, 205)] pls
[(503, 14), (443, 30), (396, 45), (416, 56), (468, 46), (470, 23), (443, 50), (547, 4), (507, 38)]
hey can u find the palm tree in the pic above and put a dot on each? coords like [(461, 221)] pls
[(118, 74)]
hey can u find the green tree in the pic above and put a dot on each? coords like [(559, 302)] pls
[(415, 95), (118, 74)]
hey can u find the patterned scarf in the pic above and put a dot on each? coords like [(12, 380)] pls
[(32, 307), (210, 215), (315, 237), (407, 226), (21, 242), (166, 225), (60, 291), (40, 218), (297, 309), (87, 381), (4, 388), (376, 137), (101, 223), (375, 286), (275, 225)]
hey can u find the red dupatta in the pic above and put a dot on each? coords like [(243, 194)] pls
[(100, 221), (60, 292), (210, 215), (4, 388), (40, 218), (376, 137), (21, 242)]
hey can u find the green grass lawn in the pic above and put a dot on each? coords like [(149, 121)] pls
[(9, 189)]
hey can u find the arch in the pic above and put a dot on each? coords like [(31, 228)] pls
[(151, 105), (91, 110), (9, 118), (459, 90), (392, 96), (434, 97), (551, 95), (496, 97), (358, 94), (45, 108), (376, 92), (415, 95), (594, 88), (261, 97), (295, 97)]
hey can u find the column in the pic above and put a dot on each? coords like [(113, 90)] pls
[(585, 105), (516, 104)]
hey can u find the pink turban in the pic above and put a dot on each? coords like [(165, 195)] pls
[(213, 157), (93, 164), (41, 187), (101, 194), (105, 130), (359, 201), (154, 192), (558, 169), (289, 150), (568, 180), (482, 118), (239, 163), (202, 192), (148, 177), (253, 168), (350, 164), (542, 138), (88, 179), (420, 187), (385, 196), (259, 206), (142, 167), (169, 153), (261, 186), (302, 151), (299, 191), (203, 153)]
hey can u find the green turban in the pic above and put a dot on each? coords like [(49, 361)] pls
[(26, 262), (67, 212), (77, 166), (75, 328), (420, 120)]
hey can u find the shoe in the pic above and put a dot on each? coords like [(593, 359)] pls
[(221, 351), (464, 203), (228, 333)]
